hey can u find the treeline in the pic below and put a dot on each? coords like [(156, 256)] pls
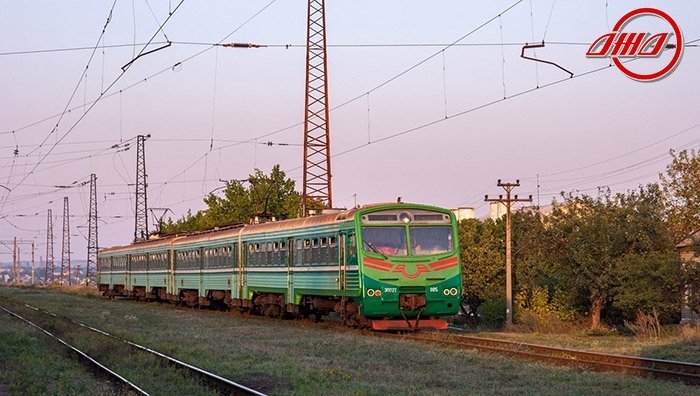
[(602, 258)]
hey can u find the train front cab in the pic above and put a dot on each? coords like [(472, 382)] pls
[(410, 266)]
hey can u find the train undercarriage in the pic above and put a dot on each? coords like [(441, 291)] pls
[(265, 304), (275, 305)]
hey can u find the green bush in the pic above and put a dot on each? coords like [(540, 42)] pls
[(493, 312)]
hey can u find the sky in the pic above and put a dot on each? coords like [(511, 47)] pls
[(431, 102)]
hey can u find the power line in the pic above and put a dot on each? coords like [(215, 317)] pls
[(288, 46), (92, 105)]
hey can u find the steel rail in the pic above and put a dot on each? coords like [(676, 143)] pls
[(667, 369), (231, 386), (82, 354)]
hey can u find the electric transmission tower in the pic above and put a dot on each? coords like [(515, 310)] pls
[(141, 229), (65, 249), (91, 270), (317, 158), (49, 249)]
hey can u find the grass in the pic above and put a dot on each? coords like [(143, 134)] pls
[(680, 343), (282, 358), (28, 365)]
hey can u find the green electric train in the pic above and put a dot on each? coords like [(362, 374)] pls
[(385, 266)]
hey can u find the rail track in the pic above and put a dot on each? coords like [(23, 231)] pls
[(688, 373), (203, 378)]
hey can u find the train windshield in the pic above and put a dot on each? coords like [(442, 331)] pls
[(387, 241), (393, 241), (431, 240), (407, 232)]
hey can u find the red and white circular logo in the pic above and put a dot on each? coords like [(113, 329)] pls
[(619, 44)]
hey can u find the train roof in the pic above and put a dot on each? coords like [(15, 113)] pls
[(233, 231)]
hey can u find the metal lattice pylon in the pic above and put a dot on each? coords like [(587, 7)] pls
[(49, 249), (317, 158), (141, 229), (65, 248), (91, 270)]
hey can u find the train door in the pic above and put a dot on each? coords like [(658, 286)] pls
[(234, 270), (242, 258), (172, 256), (202, 260), (343, 261), (127, 273), (287, 259)]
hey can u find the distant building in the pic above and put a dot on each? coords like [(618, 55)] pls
[(498, 210), (688, 249), (463, 213)]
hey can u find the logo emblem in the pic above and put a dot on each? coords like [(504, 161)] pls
[(619, 44)]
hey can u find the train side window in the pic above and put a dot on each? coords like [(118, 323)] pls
[(323, 253), (270, 255), (332, 250), (307, 251), (352, 248), (314, 251), (250, 258), (299, 252)]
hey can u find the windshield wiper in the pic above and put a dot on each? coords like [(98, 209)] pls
[(375, 250)]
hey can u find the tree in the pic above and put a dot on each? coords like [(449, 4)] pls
[(536, 261), (587, 231), (266, 197), (482, 250), (615, 248), (681, 187), (651, 274)]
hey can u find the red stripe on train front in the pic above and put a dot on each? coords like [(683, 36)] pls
[(372, 266), (376, 264), (445, 264)]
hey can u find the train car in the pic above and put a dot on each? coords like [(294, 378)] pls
[(384, 266)]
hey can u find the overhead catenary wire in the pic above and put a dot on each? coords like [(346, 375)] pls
[(92, 105), (241, 142), (288, 46)]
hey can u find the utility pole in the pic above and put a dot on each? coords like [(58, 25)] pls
[(32, 263), (49, 249), (91, 270), (17, 258), (508, 201), (15, 263), (65, 248), (141, 228), (317, 157)]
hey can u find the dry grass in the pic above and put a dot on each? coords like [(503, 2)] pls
[(646, 325), (689, 332)]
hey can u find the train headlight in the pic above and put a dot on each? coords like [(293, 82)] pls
[(370, 293), (453, 291), (446, 292)]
